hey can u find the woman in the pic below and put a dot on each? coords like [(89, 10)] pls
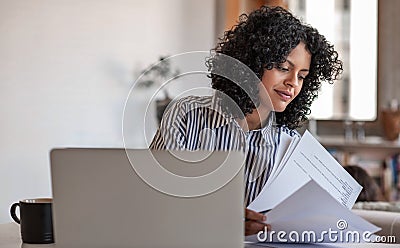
[(290, 60), (370, 191)]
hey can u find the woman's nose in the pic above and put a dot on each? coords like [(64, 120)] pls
[(292, 80)]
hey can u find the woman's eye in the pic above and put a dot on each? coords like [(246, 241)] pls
[(283, 68), (303, 77)]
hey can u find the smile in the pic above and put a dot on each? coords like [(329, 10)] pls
[(284, 95)]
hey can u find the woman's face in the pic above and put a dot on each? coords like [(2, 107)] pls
[(283, 82)]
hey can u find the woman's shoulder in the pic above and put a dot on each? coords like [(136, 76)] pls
[(180, 107), (193, 101)]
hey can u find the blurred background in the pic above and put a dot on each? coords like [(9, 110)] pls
[(67, 68)]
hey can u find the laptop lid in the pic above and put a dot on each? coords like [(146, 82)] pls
[(143, 198)]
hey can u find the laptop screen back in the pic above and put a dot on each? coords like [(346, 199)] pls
[(103, 198)]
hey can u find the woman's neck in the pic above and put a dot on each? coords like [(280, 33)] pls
[(255, 120)]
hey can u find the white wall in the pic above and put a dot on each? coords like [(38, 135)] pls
[(66, 67)]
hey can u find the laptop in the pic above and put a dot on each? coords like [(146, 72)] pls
[(145, 198)]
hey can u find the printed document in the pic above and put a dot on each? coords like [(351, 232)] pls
[(309, 160), (309, 191), (313, 216)]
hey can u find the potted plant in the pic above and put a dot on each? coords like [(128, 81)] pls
[(156, 75)]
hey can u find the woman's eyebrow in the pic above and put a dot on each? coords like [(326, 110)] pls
[(292, 65)]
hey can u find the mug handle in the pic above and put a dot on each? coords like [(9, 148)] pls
[(12, 212)]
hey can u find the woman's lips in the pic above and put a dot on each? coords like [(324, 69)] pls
[(284, 95)]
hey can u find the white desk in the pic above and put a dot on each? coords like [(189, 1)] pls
[(10, 238)]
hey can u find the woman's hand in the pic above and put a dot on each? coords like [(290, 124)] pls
[(254, 222)]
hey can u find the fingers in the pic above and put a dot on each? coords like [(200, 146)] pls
[(253, 227), (254, 222), (254, 216)]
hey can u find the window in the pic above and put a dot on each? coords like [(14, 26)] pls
[(352, 27)]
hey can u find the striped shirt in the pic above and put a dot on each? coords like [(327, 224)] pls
[(198, 123)]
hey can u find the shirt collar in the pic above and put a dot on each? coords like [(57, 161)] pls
[(269, 123)]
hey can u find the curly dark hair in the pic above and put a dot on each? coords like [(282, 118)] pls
[(263, 40), (371, 190)]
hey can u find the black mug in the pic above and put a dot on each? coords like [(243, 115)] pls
[(35, 220)]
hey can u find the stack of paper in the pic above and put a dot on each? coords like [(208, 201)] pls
[(310, 194)]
